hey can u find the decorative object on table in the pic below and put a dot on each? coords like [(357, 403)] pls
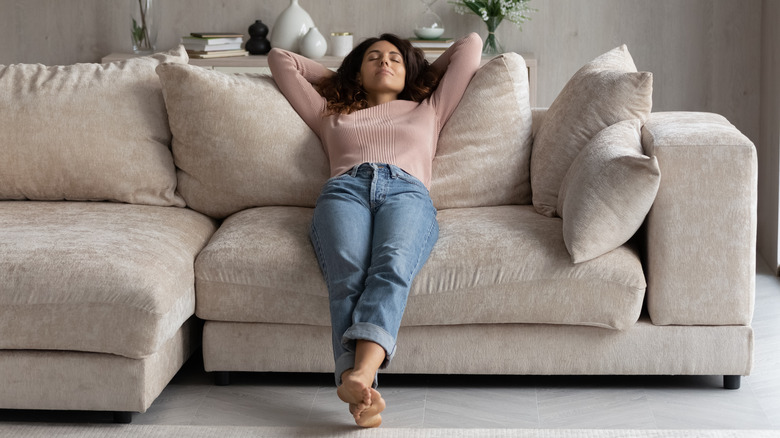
[(202, 45), (290, 27), (493, 12), (429, 25), (258, 44), (340, 43), (313, 44), (144, 20), (432, 47)]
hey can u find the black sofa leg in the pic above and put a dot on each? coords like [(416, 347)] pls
[(732, 382), (222, 378), (122, 417)]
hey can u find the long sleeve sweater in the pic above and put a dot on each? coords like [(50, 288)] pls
[(400, 132)]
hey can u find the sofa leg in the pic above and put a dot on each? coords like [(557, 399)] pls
[(222, 378), (732, 382), (122, 417)]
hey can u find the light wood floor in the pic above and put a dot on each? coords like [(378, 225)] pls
[(484, 402)]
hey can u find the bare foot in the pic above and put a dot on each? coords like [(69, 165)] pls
[(356, 392), (371, 417)]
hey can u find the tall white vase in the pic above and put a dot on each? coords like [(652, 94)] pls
[(291, 25)]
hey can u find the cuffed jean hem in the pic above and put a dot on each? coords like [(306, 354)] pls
[(364, 331), (347, 361)]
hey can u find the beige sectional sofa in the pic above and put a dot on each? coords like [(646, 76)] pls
[(593, 237)]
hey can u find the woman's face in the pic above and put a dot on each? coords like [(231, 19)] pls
[(383, 72)]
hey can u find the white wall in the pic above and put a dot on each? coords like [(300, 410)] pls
[(705, 55)]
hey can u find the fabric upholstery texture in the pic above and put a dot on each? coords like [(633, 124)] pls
[(238, 143), (87, 132), (97, 298), (484, 151), (96, 277), (607, 192), (520, 349), (604, 91), (503, 264), (701, 230), (80, 381)]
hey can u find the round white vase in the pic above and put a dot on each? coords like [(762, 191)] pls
[(291, 25), (313, 44)]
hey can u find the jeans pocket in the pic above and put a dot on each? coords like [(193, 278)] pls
[(403, 176)]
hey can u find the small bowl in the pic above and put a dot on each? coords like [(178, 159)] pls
[(429, 33)]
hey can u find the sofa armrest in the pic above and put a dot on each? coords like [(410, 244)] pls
[(701, 230)]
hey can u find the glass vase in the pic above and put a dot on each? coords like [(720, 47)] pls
[(492, 46), (144, 23)]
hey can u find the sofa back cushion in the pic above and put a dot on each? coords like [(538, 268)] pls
[(87, 132), (604, 91), (238, 143), (484, 152)]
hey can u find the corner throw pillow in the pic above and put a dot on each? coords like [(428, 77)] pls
[(484, 152), (87, 132), (238, 143), (603, 92), (607, 192)]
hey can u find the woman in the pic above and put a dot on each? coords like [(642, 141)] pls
[(379, 118)]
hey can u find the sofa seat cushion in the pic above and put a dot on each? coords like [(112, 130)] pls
[(505, 264), (96, 277)]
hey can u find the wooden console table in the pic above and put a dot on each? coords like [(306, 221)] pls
[(259, 64)]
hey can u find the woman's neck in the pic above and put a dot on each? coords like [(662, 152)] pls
[(379, 99)]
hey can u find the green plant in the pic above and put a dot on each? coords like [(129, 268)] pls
[(516, 11), (493, 12)]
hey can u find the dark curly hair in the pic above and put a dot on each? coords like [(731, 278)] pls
[(344, 94)]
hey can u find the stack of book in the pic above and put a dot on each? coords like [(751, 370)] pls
[(201, 45), (432, 47)]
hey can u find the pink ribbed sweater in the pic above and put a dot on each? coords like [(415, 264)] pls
[(400, 132)]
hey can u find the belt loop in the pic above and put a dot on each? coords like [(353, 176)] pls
[(353, 172), (395, 171)]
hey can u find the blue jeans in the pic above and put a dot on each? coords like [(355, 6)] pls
[(373, 229)]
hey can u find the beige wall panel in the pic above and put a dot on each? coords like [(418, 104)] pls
[(769, 144)]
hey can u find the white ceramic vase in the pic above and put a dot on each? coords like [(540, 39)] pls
[(291, 25), (313, 44)]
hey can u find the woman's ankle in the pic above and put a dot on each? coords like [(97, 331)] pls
[(365, 376)]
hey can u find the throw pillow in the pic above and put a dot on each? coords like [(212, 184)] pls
[(484, 151), (603, 92), (607, 192), (238, 143), (87, 132)]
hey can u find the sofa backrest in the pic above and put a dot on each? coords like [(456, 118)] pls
[(484, 151), (237, 142), (87, 132)]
